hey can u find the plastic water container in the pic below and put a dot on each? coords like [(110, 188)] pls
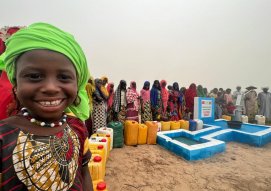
[(165, 125), (152, 132), (100, 141), (260, 119), (142, 134), (174, 125), (226, 117), (199, 124), (101, 152), (244, 119), (106, 130), (184, 124), (104, 136), (117, 133), (192, 125), (98, 149), (130, 132), (95, 167)]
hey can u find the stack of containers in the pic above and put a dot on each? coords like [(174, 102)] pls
[(184, 124), (107, 131), (130, 132), (142, 134), (165, 125), (100, 141), (104, 138), (117, 133), (174, 125), (99, 149), (152, 132)]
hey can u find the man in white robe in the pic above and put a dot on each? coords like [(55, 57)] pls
[(242, 102), (264, 103)]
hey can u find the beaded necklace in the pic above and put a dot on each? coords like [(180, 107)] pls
[(26, 114)]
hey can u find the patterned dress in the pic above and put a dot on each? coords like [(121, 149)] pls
[(99, 115), (146, 114), (33, 162), (132, 105)]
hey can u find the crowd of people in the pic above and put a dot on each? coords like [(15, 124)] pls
[(166, 102), (44, 110)]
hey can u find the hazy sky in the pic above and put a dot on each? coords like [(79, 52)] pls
[(216, 43)]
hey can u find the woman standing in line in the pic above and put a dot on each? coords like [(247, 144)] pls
[(132, 108), (156, 101), (146, 114)]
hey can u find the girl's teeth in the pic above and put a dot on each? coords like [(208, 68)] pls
[(50, 103)]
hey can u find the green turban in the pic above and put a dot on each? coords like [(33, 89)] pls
[(46, 36)]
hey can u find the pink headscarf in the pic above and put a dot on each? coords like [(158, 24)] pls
[(111, 95), (145, 95)]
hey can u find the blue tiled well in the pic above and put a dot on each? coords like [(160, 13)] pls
[(212, 139)]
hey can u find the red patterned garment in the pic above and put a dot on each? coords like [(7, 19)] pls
[(2, 46), (132, 108), (33, 162), (5, 95), (190, 93)]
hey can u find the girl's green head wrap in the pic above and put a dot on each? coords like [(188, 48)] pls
[(46, 36)]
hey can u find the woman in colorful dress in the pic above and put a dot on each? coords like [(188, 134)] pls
[(174, 103), (41, 148), (110, 90), (146, 114), (156, 101), (120, 103), (133, 103), (190, 93), (164, 96), (90, 88), (99, 107)]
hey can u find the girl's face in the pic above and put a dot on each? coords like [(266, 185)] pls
[(46, 83)]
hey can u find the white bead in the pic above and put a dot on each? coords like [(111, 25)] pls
[(25, 114), (60, 123), (32, 120), (42, 124), (64, 120), (52, 124)]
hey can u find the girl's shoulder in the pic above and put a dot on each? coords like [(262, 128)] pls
[(4, 124), (7, 131), (77, 125)]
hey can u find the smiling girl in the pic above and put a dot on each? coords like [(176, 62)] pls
[(41, 148)]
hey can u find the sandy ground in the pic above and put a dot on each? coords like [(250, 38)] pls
[(152, 168)]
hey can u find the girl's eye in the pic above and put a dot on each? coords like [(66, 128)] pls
[(64, 77), (34, 76)]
